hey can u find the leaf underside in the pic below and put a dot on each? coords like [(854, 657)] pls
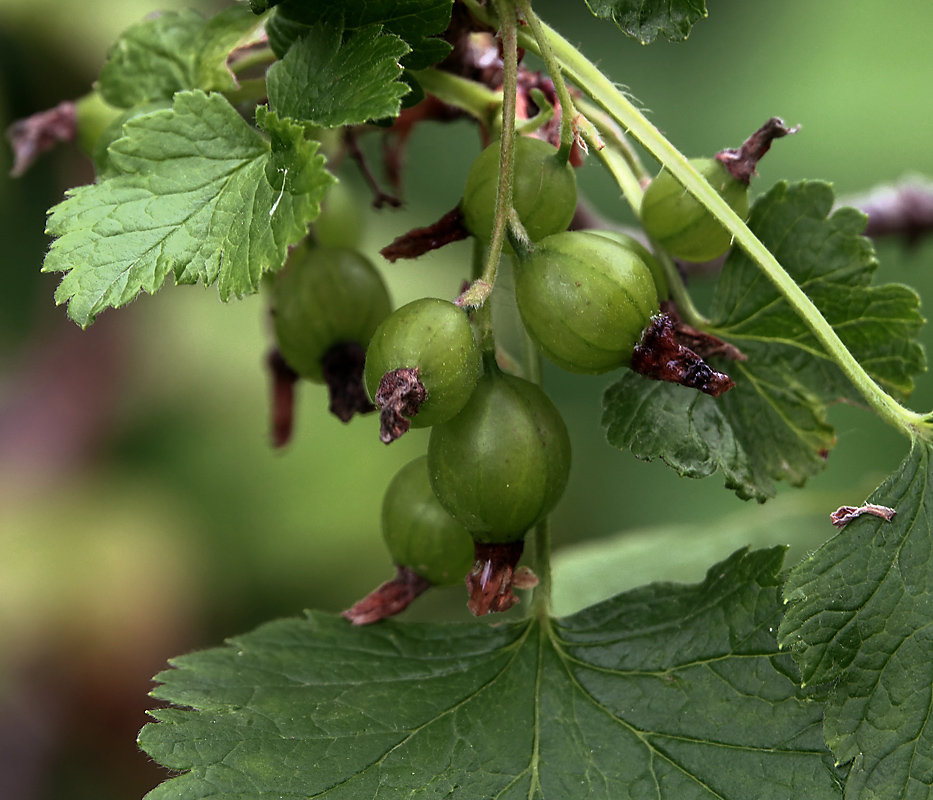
[(860, 615), (644, 20), (200, 195), (669, 691), (773, 425)]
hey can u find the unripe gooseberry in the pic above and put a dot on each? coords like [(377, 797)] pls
[(660, 280), (682, 225), (419, 533), (502, 463), (584, 300), (325, 296), (544, 190), (436, 338)]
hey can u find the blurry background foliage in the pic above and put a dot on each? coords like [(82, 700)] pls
[(142, 511)]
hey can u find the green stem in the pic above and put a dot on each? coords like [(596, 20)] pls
[(476, 99), (603, 92), (249, 90), (508, 30), (568, 111), (254, 58)]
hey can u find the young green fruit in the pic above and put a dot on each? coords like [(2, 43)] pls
[(678, 222), (419, 533), (584, 299), (323, 297), (630, 242), (502, 463), (435, 338), (544, 190)]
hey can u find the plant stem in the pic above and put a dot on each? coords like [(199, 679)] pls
[(476, 99), (508, 30), (568, 111), (605, 94)]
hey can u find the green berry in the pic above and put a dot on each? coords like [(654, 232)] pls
[(419, 533), (544, 190), (436, 338), (585, 299), (502, 463), (678, 222), (325, 296)]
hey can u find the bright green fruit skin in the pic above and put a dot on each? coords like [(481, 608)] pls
[(585, 299), (677, 221), (660, 281), (544, 191), (502, 463), (324, 296), (419, 533), (436, 337)]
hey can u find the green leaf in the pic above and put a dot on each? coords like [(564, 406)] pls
[(325, 81), (645, 19), (860, 615), (200, 194), (413, 21), (772, 426), (173, 52), (666, 692)]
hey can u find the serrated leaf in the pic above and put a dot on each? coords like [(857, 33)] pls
[(773, 426), (645, 19), (323, 80), (172, 52), (413, 21), (666, 692), (860, 614), (200, 195)]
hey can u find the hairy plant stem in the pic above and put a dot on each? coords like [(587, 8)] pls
[(508, 30), (587, 77), (568, 111)]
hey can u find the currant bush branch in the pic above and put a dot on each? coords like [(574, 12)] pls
[(587, 77)]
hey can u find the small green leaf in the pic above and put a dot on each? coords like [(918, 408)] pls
[(860, 614), (173, 52), (416, 22), (325, 81), (772, 426), (669, 692), (200, 195), (645, 19)]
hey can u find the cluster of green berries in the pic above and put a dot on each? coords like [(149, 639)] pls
[(498, 456)]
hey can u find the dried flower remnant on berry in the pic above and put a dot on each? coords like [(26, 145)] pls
[(661, 357), (399, 397)]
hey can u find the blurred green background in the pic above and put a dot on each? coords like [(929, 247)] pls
[(142, 511)]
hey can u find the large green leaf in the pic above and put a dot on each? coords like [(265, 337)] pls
[(860, 616), (645, 19), (668, 691), (172, 52), (772, 425), (416, 22), (323, 80), (200, 195)]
